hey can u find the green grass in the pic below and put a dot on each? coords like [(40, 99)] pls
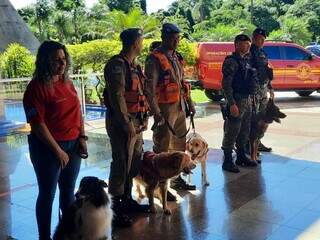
[(198, 96)]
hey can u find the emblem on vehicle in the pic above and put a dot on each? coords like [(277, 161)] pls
[(303, 71)]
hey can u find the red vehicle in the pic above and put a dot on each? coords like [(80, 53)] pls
[(295, 68)]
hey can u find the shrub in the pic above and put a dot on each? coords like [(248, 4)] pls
[(16, 61)]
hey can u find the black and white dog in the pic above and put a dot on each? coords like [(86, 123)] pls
[(90, 216)]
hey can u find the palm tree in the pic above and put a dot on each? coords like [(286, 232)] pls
[(117, 21)]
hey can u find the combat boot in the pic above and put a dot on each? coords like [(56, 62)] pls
[(243, 160), (120, 219), (132, 206), (180, 184), (228, 164)]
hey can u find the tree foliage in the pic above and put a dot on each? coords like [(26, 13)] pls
[(16, 61), (69, 21)]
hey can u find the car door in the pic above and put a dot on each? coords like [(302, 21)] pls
[(276, 62), (303, 70)]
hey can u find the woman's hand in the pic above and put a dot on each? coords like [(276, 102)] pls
[(63, 158), (83, 150)]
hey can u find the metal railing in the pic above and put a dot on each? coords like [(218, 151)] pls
[(87, 85)]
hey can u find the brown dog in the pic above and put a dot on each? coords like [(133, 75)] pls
[(197, 148), (260, 123), (157, 169)]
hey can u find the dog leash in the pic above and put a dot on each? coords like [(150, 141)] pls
[(191, 125)]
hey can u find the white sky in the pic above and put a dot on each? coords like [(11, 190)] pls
[(152, 5)]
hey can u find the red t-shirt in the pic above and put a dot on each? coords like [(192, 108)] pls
[(57, 106)]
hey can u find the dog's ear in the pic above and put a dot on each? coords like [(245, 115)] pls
[(205, 147), (103, 183)]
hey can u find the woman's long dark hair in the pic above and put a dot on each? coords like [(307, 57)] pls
[(46, 51)]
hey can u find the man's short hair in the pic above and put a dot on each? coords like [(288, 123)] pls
[(242, 38), (130, 35)]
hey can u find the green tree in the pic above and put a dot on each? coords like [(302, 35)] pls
[(16, 61), (121, 5), (76, 8), (117, 21), (292, 29), (43, 11), (309, 10), (297, 30), (63, 27), (262, 17)]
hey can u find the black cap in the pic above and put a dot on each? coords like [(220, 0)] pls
[(241, 38), (168, 28), (130, 35), (260, 31)]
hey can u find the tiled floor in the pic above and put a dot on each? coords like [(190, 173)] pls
[(279, 200)]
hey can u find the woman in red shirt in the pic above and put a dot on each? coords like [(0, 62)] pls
[(57, 137)]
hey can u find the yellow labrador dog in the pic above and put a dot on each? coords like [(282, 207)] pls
[(156, 170), (197, 149)]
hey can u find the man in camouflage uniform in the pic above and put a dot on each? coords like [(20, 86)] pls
[(125, 121), (259, 61), (168, 96), (238, 83)]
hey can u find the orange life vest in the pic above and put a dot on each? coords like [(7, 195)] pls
[(135, 99), (167, 90)]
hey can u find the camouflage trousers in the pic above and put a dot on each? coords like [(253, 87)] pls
[(236, 130), (123, 170), (261, 98), (163, 139)]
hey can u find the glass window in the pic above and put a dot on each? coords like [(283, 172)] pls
[(315, 50), (293, 53), (273, 52)]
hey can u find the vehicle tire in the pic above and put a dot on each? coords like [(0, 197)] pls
[(304, 93), (213, 95)]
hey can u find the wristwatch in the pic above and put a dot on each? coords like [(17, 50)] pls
[(84, 137)]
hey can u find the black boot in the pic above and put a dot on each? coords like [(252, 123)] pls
[(228, 164), (180, 184), (132, 206), (243, 160), (120, 219)]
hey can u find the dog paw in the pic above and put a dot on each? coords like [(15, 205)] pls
[(153, 209), (167, 211)]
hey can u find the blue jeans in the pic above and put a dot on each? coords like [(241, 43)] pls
[(49, 174)]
